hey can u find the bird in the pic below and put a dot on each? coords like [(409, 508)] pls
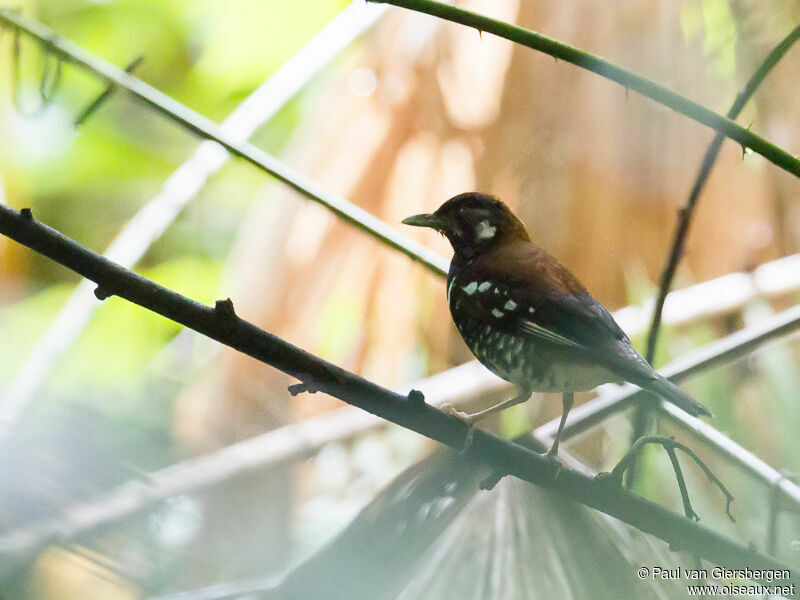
[(527, 318)]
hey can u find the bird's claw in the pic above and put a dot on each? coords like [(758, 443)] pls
[(556, 462), (452, 410)]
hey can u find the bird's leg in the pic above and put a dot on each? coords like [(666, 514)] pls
[(472, 418), (566, 402)]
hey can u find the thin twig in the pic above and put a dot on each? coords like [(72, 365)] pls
[(685, 214), (502, 455), (669, 442), (48, 84), (156, 215), (92, 107), (676, 467), (205, 128), (604, 68), (688, 510)]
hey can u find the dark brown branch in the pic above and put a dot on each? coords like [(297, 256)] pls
[(502, 455), (94, 106)]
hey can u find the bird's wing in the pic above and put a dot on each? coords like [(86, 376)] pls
[(532, 294)]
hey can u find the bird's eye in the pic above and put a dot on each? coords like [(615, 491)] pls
[(473, 216)]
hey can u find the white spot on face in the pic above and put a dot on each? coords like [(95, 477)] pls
[(510, 305), (484, 286), (496, 290), (484, 231), (530, 310), (497, 313), (470, 289)]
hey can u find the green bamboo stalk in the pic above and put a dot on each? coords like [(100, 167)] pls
[(685, 215)]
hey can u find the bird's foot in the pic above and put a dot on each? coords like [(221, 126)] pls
[(468, 418), (552, 453), (552, 456), (452, 410)]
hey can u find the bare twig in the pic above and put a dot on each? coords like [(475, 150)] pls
[(642, 419), (670, 443), (685, 213), (468, 382), (153, 219), (502, 455), (48, 83), (93, 106), (205, 128), (609, 70), (676, 467)]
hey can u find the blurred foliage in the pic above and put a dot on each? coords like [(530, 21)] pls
[(89, 182), (208, 55), (714, 21), (134, 334)]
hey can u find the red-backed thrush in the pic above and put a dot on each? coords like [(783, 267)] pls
[(527, 318)]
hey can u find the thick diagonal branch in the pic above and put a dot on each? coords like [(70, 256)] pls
[(223, 325)]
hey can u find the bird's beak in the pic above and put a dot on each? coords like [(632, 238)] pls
[(424, 220)]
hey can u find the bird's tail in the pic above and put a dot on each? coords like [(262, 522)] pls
[(672, 393)]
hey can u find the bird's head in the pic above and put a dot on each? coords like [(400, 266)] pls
[(473, 223)]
